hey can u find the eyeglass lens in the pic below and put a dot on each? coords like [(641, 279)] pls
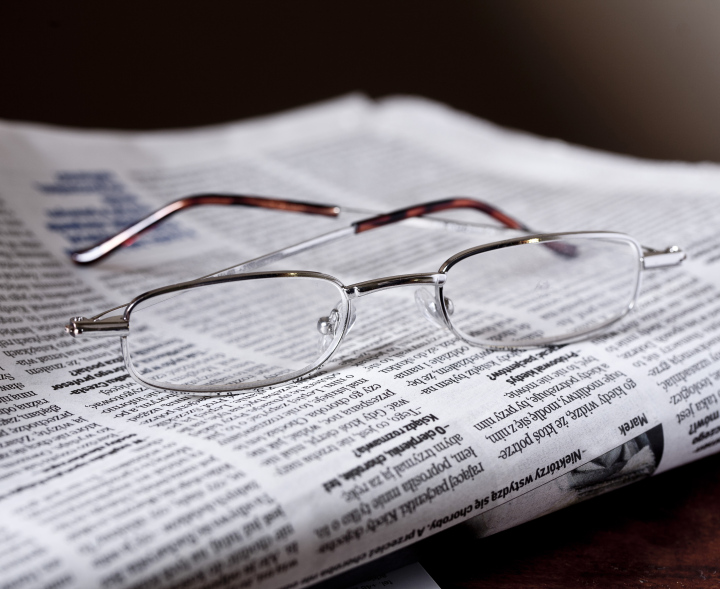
[(532, 294), (236, 333)]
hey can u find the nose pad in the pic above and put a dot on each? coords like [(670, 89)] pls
[(449, 306), (328, 327), (426, 303)]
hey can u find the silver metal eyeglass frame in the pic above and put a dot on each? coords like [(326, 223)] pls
[(119, 325)]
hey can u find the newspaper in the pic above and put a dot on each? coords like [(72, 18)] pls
[(407, 430)]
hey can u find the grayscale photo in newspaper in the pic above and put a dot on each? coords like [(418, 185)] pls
[(406, 429)]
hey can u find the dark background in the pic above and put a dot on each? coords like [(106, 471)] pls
[(633, 76)]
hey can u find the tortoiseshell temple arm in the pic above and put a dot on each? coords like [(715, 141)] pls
[(128, 235), (435, 207), (458, 202)]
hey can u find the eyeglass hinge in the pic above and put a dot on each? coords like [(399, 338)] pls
[(672, 256), (102, 327)]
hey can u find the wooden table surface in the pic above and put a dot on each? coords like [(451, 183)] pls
[(660, 532)]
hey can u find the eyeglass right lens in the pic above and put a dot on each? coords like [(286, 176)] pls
[(232, 335), (532, 294)]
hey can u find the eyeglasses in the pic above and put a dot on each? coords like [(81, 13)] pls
[(241, 329)]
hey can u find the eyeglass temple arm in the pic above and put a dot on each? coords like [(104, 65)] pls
[(565, 249), (459, 202), (437, 206), (128, 235)]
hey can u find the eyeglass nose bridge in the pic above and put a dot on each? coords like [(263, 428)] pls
[(426, 301), (360, 289)]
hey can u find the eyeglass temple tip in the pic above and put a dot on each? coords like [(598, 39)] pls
[(128, 235)]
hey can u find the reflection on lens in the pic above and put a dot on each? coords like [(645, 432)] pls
[(532, 294), (242, 333)]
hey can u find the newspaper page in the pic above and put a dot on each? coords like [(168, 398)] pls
[(407, 430)]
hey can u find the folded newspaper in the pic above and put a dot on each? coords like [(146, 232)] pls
[(407, 430)]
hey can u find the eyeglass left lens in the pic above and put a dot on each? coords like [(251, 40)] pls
[(234, 335), (540, 293)]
